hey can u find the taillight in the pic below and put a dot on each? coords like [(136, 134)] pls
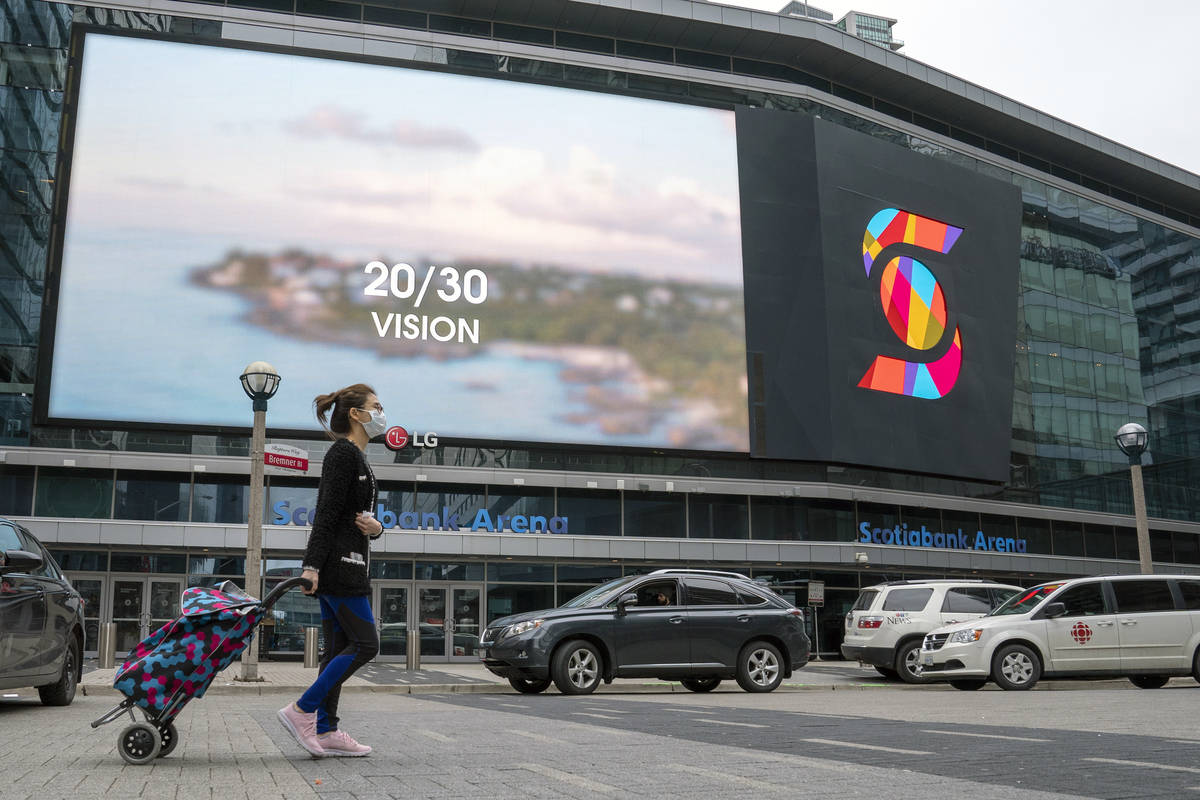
[(795, 612), (870, 622)]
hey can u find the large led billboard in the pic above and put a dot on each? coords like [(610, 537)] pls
[(501, 260)]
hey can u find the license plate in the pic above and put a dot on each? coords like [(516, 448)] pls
[(928, 661)]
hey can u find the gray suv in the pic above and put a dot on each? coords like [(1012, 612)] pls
[(695, 626)]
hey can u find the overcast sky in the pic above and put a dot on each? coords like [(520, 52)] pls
[(1124, 70)]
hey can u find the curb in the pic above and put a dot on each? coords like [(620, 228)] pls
[(266, 687)]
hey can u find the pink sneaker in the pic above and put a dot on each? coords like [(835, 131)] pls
[(339, 743), (303, 727)]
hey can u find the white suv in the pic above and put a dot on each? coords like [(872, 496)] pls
[(888, 621), (1143, 627)]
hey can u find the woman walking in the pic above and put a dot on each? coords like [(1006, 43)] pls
[(337, 561)]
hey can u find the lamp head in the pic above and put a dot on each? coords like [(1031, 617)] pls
[(1132, 439), (260, 381)]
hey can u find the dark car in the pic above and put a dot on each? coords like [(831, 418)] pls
[(696, 626), (41, 620)]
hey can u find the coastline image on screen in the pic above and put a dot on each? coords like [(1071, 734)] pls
[(502, 261)]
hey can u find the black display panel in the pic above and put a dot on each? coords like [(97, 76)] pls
[(881, 301)]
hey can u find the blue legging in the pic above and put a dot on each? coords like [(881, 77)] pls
[(350, 641)]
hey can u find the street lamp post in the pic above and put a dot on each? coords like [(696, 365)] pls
[(260, 382), (1132, 439)]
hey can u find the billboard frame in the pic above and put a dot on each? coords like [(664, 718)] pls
[(66, 151)]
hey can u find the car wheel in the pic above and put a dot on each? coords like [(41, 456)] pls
[(529, 686), (62, 691), (760, 667), (576, 668), (169, 737), (968, 685), (908, 661), (887, 672), (1149, 681), (1196, 665), (139, 743), (1016, 667), (700, 684)]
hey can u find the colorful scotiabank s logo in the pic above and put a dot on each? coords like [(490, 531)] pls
[(914, 305)]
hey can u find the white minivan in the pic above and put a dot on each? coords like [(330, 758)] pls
[(1144, 627)]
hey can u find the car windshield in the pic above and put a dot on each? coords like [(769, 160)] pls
[(1026, 601), (592, 596)]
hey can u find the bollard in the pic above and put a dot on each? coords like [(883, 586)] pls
[(413, 656), (106, 647), (310, 646)]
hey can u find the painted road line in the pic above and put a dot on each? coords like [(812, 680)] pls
[(515, 705), (860, 746), (537, 737), (989, 736), (435, 736), (830, 716), (566, 777), (1183, 741), (609, 710), (738, 724), (688, 711), (1148, 764), (597, 716), (749, 783)]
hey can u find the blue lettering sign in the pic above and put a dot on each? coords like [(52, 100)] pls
[(942, 540)]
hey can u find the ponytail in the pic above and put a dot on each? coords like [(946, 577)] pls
[(338, 404)]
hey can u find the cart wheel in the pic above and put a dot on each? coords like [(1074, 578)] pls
[(169, 738), (139, 743)]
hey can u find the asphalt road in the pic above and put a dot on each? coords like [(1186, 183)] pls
[(883, 742)]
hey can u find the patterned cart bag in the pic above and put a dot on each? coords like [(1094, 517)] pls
[(183, 656)]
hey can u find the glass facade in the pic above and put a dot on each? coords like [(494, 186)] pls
[(1107, 332)]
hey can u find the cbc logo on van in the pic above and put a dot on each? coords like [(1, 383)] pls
[(914, 305), (397, 438)]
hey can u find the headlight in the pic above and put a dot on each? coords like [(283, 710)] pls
[(965, 636), (522, 627)]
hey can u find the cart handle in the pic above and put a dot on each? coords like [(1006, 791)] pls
[(283, 588)]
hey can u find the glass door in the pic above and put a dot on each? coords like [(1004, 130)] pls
[(466, 607), (431, 623), (448, 618), (392, 615), (142, 605), (91, 589)]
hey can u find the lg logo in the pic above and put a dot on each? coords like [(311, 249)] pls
[(914, 305), (397, 438)]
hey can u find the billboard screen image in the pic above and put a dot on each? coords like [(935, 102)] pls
[(501, 260)]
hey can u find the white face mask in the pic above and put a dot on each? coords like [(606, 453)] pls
[(376, 425)]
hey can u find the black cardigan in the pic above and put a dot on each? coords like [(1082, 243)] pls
[(337, 548)]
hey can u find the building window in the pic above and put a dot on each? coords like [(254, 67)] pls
[(655, 514), (81, 560), (591, 512), (16, 490), (510, 571), (1068, 538), (222, 499), (145, 495), (718, 517), (77, 493), (446, 499), (504, 599), (170, 563), (442, 571)]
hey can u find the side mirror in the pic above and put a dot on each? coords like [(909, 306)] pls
[(1054, 610), (19, 561), (627, 599)]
